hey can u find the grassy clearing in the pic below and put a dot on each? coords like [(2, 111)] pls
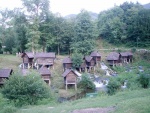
[(9, 61), (128, 101)]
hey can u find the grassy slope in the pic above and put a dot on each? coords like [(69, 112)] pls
[(9, 61), (128, 101)]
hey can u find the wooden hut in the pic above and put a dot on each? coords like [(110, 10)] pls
[(67, 63), (130, 56), (90, 62), (96, 56), (45, 59), (70, 77), (83, 67), (113, 58), (4, 74), (27, 59), (123, 57), (45, 74)]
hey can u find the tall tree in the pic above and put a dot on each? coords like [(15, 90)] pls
[(83, 41), (20, 26), (35, 8)]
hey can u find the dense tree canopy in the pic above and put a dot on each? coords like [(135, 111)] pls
[(34, 28)]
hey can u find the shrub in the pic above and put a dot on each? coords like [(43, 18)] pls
[(23, 90), (113, 86), (144, 80), (77, 59), (86, 82)]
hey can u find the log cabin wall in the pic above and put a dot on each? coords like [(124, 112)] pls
[(71, 78)]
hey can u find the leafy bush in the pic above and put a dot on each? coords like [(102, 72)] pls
[(24, 90), (86, 82), (113, 86), (144, 80)]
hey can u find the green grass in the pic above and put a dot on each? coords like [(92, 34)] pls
[(10, 61), (136, 101)]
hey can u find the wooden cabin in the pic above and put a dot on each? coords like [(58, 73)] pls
[(45, 59), (96, 56), (113, 58), (4, 74), (27, 59), (130, 56), (83, 67), (126, 57), (123, 57), (70, 77), (67, 63), (90, 62), (45, 74)]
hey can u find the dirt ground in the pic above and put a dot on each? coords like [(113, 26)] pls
[(94, 110)]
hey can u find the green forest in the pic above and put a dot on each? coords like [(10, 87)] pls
[(35, 28)]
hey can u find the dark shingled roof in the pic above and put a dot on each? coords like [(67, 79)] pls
[(45, 55), (129, 53), (95, 53), (113, 56), (67, 71), (88, 58), (29, 54), (67, 60), (5, 72), (124, 54), (44, 71)]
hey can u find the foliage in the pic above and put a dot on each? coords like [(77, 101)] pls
[(144, 79), (83, 41), (127, 24), (77, 60), (86, 83), (113, 86), (25, 89)]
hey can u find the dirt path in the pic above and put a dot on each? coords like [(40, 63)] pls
[(94, 110)]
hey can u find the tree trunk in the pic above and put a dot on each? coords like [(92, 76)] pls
[(58, 49)]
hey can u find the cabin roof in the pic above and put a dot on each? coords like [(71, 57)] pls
[(67, 71), (44, 71), (124, 54), (5, 72), (128, 53), (113, 56), (45, 55), (29, 54), (67, 60), (88, 58), (95, 53)]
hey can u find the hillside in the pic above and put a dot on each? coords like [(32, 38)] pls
[(128, 101), (147, 6)]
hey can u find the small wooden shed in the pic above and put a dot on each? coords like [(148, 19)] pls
[(83, 67), (4, 74), (90, 62), (130, 56), (67, 63), (27, 58), (45, 59), (123, 57), (96, 56), (45, 74), (70, 77), (113, 58)]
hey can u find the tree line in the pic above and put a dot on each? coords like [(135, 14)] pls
[(35, 28)]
